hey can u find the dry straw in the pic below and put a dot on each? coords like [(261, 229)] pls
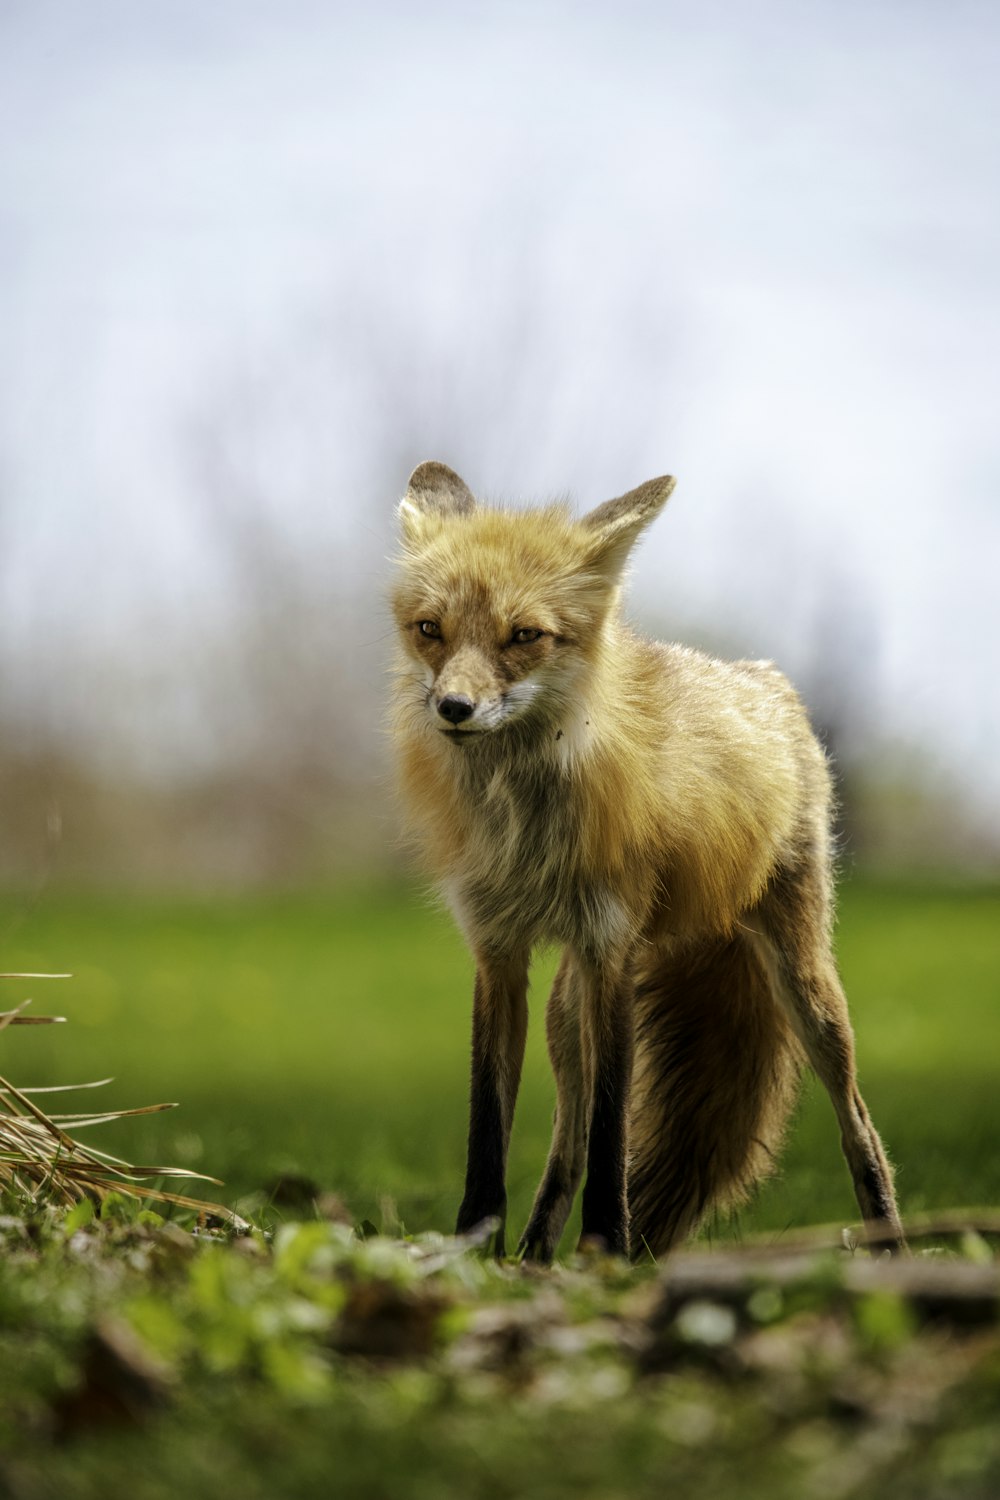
[(41, 1161)]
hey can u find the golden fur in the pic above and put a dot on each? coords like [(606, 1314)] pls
[(662, 815)]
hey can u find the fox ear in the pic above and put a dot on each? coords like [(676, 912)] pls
[(433, 490), (615, 525)]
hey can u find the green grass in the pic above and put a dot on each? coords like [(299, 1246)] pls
[(327, 1035)]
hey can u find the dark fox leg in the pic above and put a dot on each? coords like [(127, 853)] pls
[(608, 1051), (499, 1028), (794, 943), (568, 1152), (589, 1027)]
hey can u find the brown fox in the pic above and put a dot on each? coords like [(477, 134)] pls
[(662, 816)]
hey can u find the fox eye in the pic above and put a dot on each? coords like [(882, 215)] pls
[(525, 636), (429, 628)]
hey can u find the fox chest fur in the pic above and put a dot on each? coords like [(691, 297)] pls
[(521, 868)]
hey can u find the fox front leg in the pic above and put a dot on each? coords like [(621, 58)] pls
[(568, 1153), (608, 1001), (499, 1028)]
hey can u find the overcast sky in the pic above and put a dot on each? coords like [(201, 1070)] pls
[(562, 247)]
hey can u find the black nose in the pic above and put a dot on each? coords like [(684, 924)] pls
[(456, 707)]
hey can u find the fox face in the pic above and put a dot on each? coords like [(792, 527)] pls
[(480, 679), (490, 650), (499, 612)]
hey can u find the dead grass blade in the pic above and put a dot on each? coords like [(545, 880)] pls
[(16, 1017), (36, 976), (67, 1088), (40, 1160)]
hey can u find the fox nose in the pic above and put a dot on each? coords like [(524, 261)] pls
[(456, 707)]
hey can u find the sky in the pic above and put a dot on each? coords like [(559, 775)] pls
[(282, 253)]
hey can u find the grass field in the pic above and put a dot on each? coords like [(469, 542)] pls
[(327, 1035)]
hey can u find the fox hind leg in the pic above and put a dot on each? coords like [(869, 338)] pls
[(792, 937), (818, 1010)]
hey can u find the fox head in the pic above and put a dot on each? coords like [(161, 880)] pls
[(500, 611)]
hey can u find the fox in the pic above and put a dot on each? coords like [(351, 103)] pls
[(663, 818)]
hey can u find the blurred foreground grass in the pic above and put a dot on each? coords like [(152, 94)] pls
[(327, 1035)]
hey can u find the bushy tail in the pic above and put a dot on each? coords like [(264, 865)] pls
[(716, 1074)]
